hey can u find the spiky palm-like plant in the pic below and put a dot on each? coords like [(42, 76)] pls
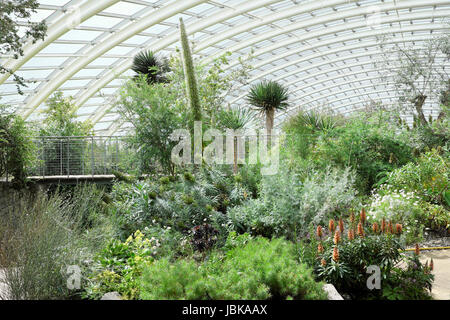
[(153, 67), (189, 74), (237, 118), (268, 97)]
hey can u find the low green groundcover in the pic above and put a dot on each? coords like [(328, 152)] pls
[(261, 269)]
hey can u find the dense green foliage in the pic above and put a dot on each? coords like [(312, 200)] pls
[(260, 269), (16, 148), (149, 108), (343, 254), (180, 202)]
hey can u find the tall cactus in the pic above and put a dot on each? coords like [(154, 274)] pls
[(189, 74)]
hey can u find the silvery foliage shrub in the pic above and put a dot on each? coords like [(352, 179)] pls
[(287, 204), (187, 201)]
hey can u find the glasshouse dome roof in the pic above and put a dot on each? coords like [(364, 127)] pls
[(324, 51)]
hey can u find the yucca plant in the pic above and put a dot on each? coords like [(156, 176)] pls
[(151, 65), (268, 97)]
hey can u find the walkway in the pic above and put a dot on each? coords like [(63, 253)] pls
[(441, 260)]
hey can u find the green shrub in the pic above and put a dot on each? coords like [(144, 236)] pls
[(371, 146), (16, 147), (428, 177), (343, 258), (182, 204), (412, 282), (403, 207), (261, 269), (287, 205), (40, 237)]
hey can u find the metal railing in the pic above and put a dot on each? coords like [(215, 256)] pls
[(80, 156)]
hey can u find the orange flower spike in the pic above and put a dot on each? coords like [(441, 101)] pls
[(391, 227), (336, 254), (331, 225), (398, 229), (320, 248), (337, 237), (362, 217), (383, 225), (432, 264), (360, 230), (352, 217), (323, 263), (417, 250), (350, 235), (375, 227), (341, 226), (319, 231)]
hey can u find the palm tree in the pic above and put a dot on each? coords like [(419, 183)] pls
[(267, 97), (153, 67)]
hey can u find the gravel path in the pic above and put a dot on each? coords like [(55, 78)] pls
[(441, 260), (3, 288)]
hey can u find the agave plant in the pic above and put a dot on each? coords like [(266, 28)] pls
[(153, 67), (267, 97)]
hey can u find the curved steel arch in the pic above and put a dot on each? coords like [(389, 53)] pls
[(125, 30), (56, 30), (407, 4), (404, 17), (171, 39), (360, 45), (103, 47)]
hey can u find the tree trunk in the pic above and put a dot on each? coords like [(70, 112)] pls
[(235, 167), (270, 115), (418, 103)]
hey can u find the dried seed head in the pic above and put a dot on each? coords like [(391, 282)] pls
[(337, 237), (432, 264), (417, 250), (336, 254)]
